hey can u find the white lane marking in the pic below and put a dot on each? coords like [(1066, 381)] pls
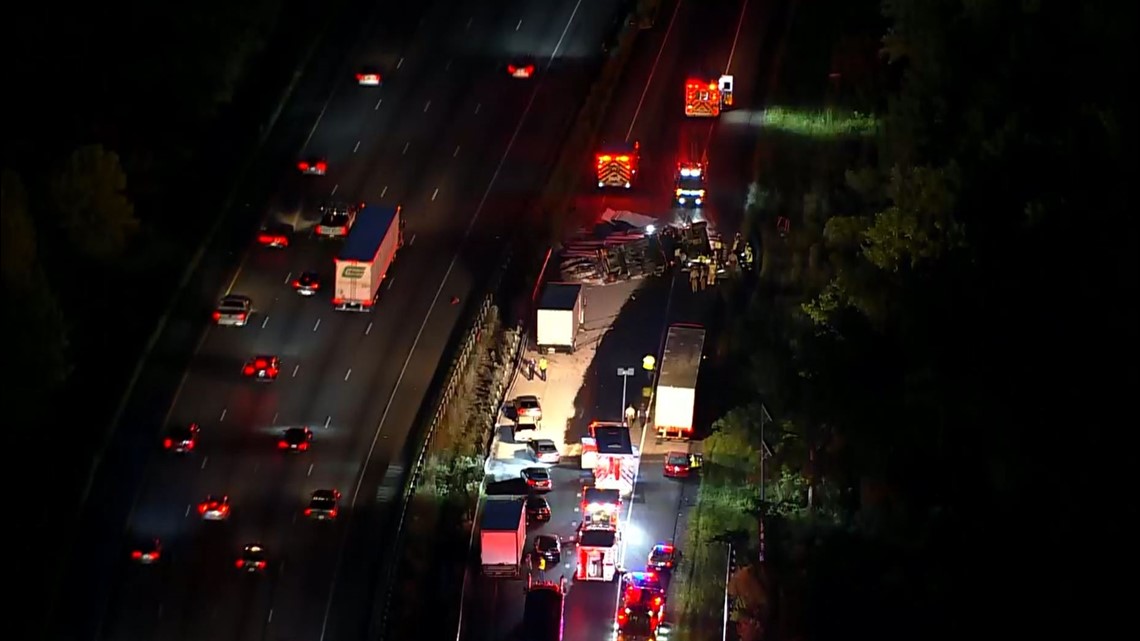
[(288, 277), (264, 322), (406, 145), (466, 234), (327, 421), (390, 281), (295, 368), (652, 71), (310, 472), (412, 241), (435, 193), (469, 22), (187, 515), (368, 329), (223, 416), (400, 63), (275, 415), (204, 459), (356, 147), (518, 26), (384, 191), (378, 104), (477, 107), (427, 106), (736, 37), (317, 325), (447, 67), (456, 153), (348, 373), (335, 187), (270, 619)]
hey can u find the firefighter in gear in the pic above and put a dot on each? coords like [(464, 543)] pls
[(694, 276), (712, 272)]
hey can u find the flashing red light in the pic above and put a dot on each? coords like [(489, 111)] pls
[(167, 443), (217, 315)]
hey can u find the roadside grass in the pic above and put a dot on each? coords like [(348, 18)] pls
[(821, 123)]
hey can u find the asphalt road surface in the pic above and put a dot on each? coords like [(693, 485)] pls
[(691, 37), (434, 138)]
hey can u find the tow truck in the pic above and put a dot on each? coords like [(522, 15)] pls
[(616, 164), (598, 550), (706, 98)]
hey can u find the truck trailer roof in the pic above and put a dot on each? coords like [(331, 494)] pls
[(560, 296), (682, 360), (613, 440), (542, 613), (372, 224), (502, 514)]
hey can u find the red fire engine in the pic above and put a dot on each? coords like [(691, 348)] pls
[(600, 507), (617, 164), (707, 98)]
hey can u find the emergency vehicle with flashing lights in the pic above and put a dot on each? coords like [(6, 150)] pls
[(252, 558), (689, 184), (616, 164), (295, 439), (336, 219), (147, 551), (215, 508), (323, 505), (642, 603), (181, 439), (263, 368), (599, 549), (275, 235), (707, 98), (369, 77), (233, 311), (610, 453), (307, 283), (313, 166), (522, 68), (663, 556), (600, 508)]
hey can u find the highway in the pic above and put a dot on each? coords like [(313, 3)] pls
[(461, 146), (690, 37)]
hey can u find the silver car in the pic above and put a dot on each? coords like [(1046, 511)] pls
[(544, 451), (233, 311)]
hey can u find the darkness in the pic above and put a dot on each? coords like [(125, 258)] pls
[(980, 377)]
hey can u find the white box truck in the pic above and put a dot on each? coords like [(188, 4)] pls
[(502, 536), (677, 382), (364, 260), (560, 314)]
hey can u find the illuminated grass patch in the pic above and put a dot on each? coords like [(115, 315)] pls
[(827, 123)]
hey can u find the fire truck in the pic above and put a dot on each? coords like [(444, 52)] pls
[(641, 607), (609, 452), (600, 508), (707, 98), (599, 548), (616, 164)]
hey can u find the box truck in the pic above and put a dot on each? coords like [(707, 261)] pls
[(560, 314), (677, 383), (367, 255), (502, 536)]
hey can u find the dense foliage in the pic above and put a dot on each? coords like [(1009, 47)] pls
[(946, 327)]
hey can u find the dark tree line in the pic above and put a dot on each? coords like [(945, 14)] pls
[(947, 329)]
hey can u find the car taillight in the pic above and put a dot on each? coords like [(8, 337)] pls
[(303, 446), (188, 444), (273, 371), (167, 443), (308, 511), (137, 554), (240, 564), (303, 166), (282, 445), (332, 512), (224, 509), (360, 76), (202, 507), (217, 315), (241, 316), (296, 283), (321, 166), (248, 370)]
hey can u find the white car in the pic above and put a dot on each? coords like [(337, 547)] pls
[(233, 311), (369, 77)]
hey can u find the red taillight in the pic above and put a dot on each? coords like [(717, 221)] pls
[(224, 509), (241, 316), (217, 315), (240, 564), (167, 443), (321, 166), (308, 511), (261, 564), (360, 76), (303, 446), (297, 283), (137, 554), (247, 370), (511, 68), (273, 372), (281, 445), (260, 363), (303, 166), (202, 507), (332, 513), (188, 444)]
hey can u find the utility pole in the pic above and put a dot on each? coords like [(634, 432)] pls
[(624, 373)]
